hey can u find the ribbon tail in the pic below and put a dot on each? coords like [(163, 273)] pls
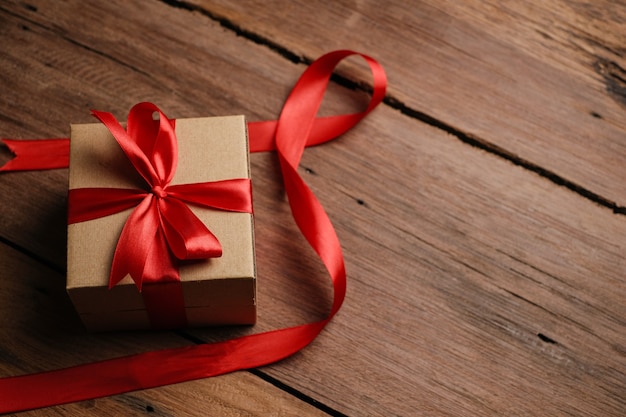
[(158, 368), (160, 265), (135, 243), (43, 154), (152, 369), (187, 236), (37, 154)]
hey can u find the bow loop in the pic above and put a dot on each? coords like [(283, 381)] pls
[(149, 144), (186, 235), (155, 138), (103, 378), (161, 230)]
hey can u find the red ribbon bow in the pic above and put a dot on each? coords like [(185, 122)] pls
[(297, 128), (161, 229)]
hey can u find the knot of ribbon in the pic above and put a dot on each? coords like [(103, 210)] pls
[(161, 229), (297, 128)]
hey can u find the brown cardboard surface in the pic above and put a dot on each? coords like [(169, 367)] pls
[(216, 291)]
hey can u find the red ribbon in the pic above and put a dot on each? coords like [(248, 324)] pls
[(161, 229), (161, 225), (37, 154), (296, 128)]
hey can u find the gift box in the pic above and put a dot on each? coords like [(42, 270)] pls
[(215, 291)]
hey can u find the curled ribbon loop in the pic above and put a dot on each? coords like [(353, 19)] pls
[(297, 128), (161, 228)]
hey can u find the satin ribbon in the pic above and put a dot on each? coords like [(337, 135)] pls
[(296, 128), (37, 154), (161, 229), (160, 215)]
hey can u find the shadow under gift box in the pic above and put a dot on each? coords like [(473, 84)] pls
[(217, 291)]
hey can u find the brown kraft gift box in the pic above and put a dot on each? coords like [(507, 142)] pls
[(218, 291)]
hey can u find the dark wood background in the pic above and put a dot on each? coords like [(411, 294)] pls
[(480, 208)]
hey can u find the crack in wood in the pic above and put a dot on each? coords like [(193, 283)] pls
[(580, 325), (526, 300), (614, 75), (614, 78), (546, 339), (358, 200), (309, 170), (30, 7), (239, 31), (616, 87), (534, 268), (595, 43), (493, 149), (273, 381), (136, 402), (33, 255), (296, 393)]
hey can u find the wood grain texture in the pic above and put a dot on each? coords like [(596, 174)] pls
[(39, 331), (476, 286), (460, 283), (33, 220), (233, 395), (541, 83)]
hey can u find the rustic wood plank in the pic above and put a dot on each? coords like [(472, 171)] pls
[(476, 287), (233, 395), (81, 67), (35, 203), (39, 331), (541, 83)]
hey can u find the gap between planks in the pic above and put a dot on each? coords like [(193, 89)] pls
[(62, 270), (275, 382), (393, 102)]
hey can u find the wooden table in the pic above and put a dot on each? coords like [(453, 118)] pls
[(480, 208)]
